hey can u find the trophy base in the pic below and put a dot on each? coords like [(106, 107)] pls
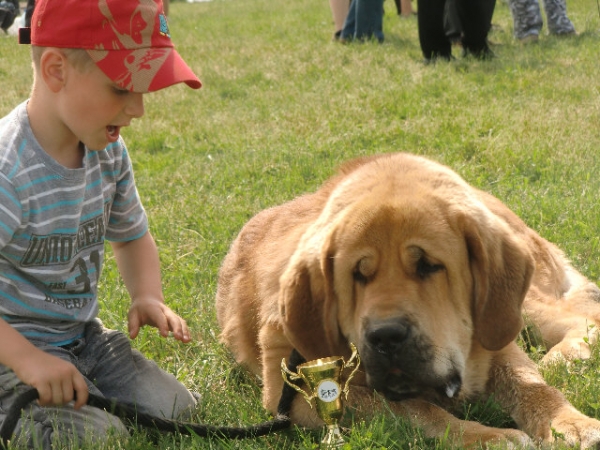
[(333, 438)]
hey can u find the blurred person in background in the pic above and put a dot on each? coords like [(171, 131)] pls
[(9, 10), (527, 19), (339, 10), (404, 8), (475, 21), (364, 21)]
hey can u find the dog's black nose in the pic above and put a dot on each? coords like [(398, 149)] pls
[(389, 338)]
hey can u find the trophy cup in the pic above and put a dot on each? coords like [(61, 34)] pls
[(323, 378)]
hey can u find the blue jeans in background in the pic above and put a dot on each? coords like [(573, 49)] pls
[(364, 21)]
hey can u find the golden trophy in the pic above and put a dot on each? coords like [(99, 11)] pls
[(323, 377)]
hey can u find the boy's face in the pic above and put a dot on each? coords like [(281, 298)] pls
[(94, 108)]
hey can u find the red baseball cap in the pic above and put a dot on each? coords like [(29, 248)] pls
[(127, 39)]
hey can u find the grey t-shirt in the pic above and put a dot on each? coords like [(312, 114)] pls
[(53, 223)]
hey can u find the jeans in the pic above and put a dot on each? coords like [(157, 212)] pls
[(364, 20), (112, 369)]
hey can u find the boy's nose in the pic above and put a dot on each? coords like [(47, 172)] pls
[(135, 105)]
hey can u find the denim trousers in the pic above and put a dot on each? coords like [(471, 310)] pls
[(112, 369), (364, 20)]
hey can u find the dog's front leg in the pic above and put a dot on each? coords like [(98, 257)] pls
[(538, 409), (275, 347), (435, 421)]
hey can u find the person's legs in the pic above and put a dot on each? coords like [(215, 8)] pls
[(432, 36), (527, 19), (124, 374), (56, 427), (476, 20), (369, 19), (378, 31), (350, 23), (29, 12), (65, 427), (8, 13), (406, 8), (113, 370), (556, 14), (452, 26), (339, 10)]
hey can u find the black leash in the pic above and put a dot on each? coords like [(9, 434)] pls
[(128, 412)]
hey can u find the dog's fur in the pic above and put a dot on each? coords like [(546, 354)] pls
[(429, 278)]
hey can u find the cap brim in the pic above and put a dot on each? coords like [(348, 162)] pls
[(145, 70)]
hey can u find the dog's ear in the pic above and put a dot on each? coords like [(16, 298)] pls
[(308, 305), (501, 267)]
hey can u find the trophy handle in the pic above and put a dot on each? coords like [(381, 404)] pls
[(294, 376), (353, 361)]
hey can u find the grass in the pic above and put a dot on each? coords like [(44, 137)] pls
[(282, 106)]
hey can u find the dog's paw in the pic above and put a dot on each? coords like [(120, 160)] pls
[(577, 429), (506, 438), (567, 350), (517, 439)]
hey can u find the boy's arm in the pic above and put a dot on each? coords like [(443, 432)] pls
[(139, 266), (55, 379)]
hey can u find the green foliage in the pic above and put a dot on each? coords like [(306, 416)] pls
[(282, 106)]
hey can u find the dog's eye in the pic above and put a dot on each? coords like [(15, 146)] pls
[(364, 269), (359, 277), (425, 268)]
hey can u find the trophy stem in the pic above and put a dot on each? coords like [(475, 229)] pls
[(333, 438)]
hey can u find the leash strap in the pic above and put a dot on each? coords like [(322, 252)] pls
[(130, 413)]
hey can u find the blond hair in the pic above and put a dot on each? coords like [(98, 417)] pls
[(77, 57)]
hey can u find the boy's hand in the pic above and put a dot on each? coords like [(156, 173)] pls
[(55, 379), (154, 312)]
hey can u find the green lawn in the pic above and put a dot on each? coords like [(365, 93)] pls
[(282, 106)]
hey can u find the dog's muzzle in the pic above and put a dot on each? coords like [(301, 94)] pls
[(400, 361)]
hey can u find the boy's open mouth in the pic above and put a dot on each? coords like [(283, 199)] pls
[(112, 132)]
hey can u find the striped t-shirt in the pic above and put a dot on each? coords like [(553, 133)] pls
[(53, 222)]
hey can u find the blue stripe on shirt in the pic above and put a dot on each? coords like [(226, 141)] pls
[(36, 310), (38, 181), (14, 170)]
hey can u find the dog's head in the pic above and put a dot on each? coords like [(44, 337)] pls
[(408, 264)]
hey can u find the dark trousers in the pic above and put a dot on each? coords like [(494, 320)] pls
[(29, 12), (475, 19)]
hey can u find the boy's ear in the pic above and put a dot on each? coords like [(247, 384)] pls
[(53, 67)]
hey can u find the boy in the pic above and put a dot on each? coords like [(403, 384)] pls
[(66, 184)]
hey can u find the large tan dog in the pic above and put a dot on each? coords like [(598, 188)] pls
[(427, 276)]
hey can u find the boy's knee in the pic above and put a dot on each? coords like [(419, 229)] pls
[(187, 406), (64, 427), (177, 404)]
